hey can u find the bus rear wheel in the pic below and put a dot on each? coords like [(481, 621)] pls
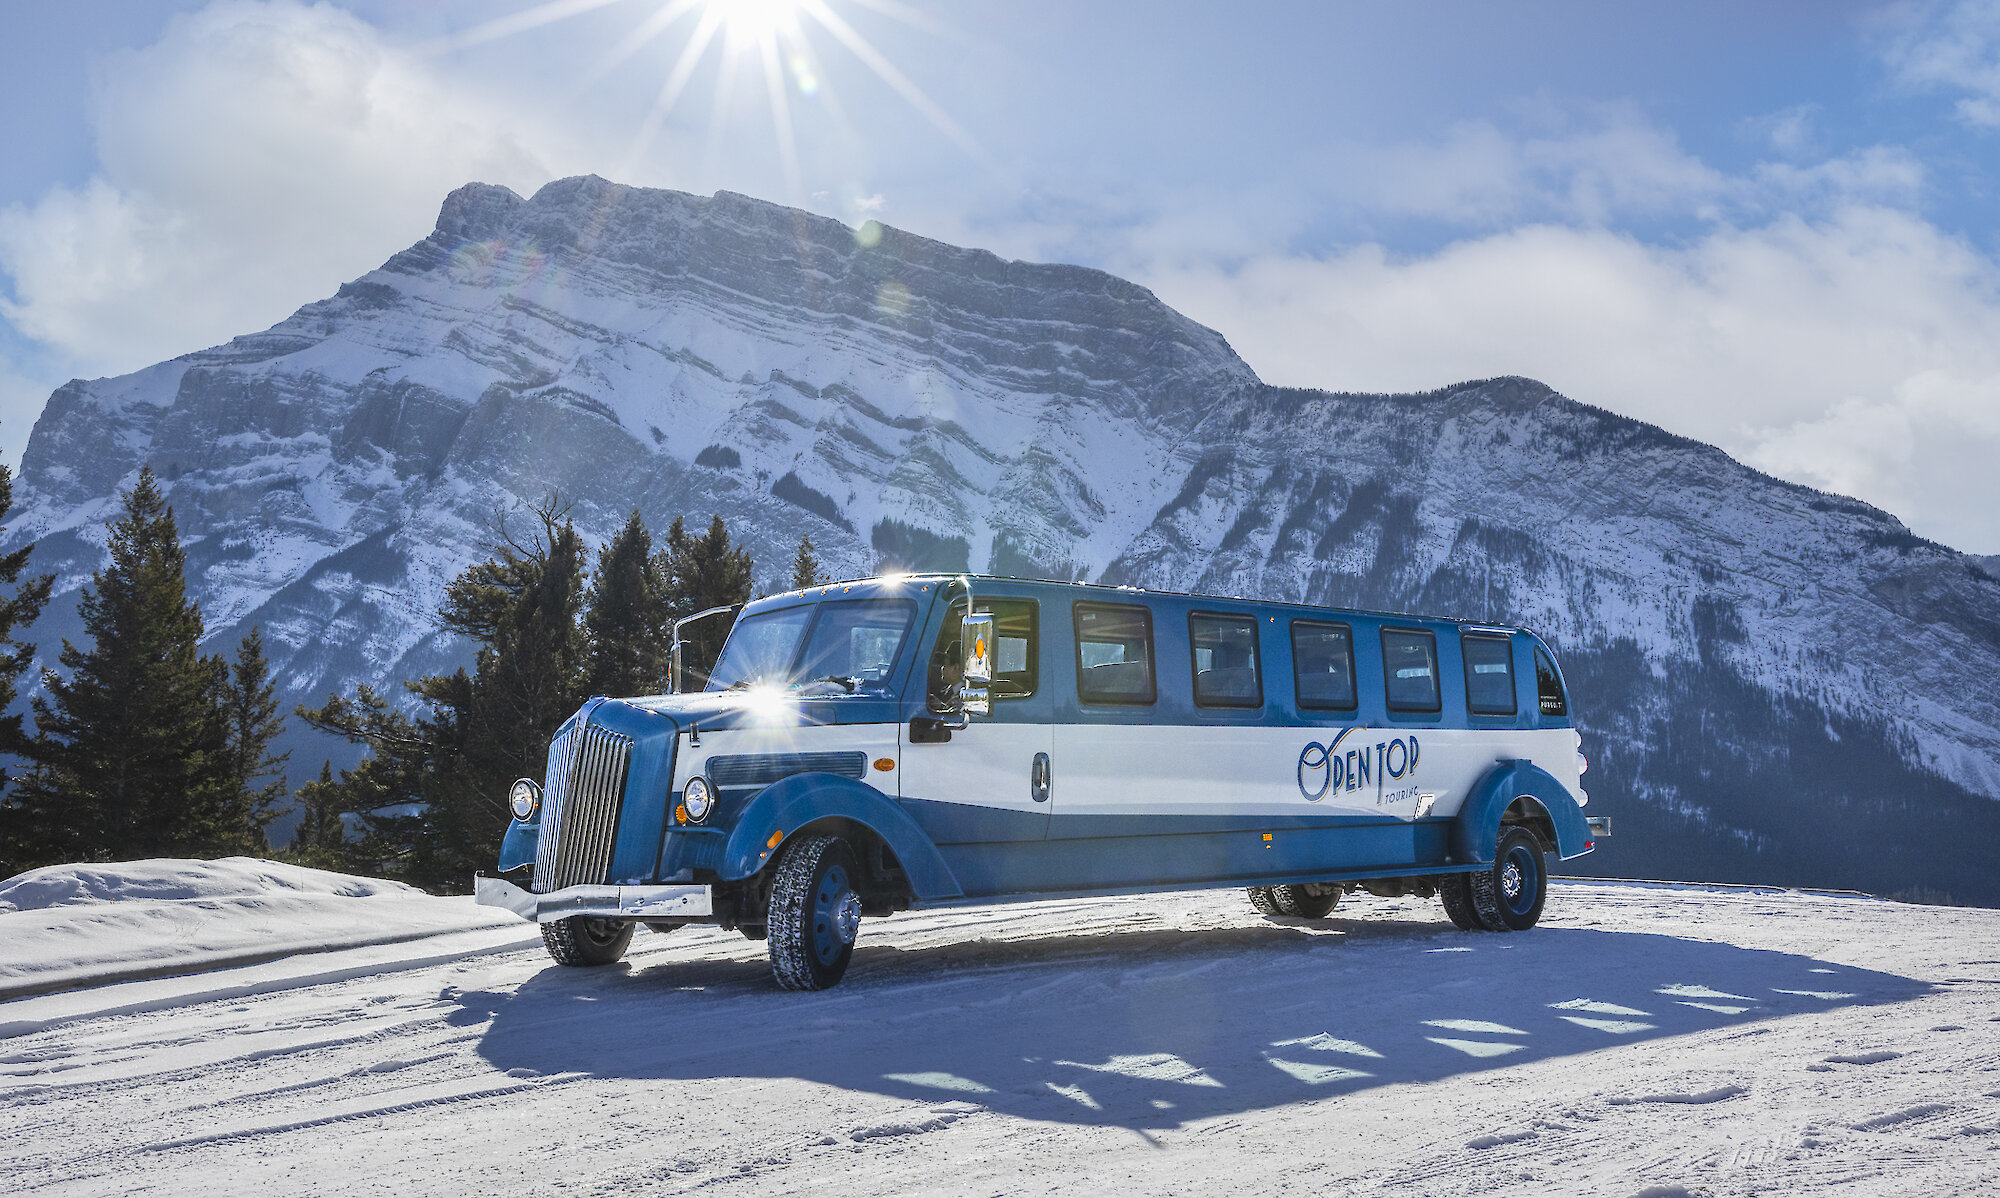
[(1508, 895), (1456, 891), (815, 913), (1298, 901)]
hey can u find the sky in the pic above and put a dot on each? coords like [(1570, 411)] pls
[(1766, 226)]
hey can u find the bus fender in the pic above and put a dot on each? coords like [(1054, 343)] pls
[(517, 846), (1476, 832), (789, 804)]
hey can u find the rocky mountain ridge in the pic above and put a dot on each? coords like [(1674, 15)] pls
[(907, 401)]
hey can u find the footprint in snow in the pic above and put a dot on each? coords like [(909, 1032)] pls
[(1854, 1058), (1694, 1098)]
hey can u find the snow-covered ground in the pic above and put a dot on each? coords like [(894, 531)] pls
[(71, 925), (1646, 1039)]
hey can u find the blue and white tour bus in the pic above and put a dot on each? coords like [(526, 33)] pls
[(930, 741)]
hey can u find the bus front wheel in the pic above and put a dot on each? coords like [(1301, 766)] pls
[(586, 940), (815, 913)]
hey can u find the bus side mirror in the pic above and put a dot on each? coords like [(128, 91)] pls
[(976, 640)]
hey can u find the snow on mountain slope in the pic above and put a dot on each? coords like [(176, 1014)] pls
[(910, 402), (1644, 1039)]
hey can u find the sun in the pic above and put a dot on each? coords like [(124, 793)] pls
[(774, 38), (751, 24)]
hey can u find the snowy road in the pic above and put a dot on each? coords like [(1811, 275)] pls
[(1644, 1039)]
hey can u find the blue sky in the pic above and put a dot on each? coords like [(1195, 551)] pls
[(1766, 226)]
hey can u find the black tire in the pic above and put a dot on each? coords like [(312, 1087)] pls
[(815, 913), (1303, 903), (1265, 899), (1456, 891), (1295, 901), (1508, 895), (586, 940)]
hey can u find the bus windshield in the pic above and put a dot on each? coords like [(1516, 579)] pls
[(843, 647)]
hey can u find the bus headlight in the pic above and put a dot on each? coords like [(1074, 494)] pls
[(697, 799), (524, 798)]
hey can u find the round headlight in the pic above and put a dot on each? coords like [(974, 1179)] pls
[(697, 798), (524, 797)]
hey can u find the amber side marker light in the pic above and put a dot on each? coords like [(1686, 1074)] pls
[(885, 764)]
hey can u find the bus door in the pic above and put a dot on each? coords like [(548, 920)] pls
[(992, 780)]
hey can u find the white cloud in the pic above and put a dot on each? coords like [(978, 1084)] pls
[(1955, 48), (1860, 352), (251, 160)]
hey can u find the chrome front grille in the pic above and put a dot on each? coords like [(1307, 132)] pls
[(581, 795)]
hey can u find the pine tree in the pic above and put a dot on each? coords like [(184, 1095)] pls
[(130, 754), (19, 835), (17, 610), (320, 840), (806, 570), (625, 620), (700, 573), (432, 795), (254, 723)]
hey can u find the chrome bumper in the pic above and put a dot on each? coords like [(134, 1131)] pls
[(606, 902)]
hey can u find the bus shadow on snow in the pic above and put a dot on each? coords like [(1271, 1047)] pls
[(1151, 1029)]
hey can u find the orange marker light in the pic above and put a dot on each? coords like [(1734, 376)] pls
[(1267, 836), (681, 814), (885, 764), (775, 838)]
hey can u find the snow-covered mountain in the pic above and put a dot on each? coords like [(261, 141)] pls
[(1777, 684)]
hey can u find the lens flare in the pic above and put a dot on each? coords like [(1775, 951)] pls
[(774, 38)]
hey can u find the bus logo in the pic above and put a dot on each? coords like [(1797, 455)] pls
[(1327, 769)]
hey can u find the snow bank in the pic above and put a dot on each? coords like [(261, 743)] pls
[(77, 925)]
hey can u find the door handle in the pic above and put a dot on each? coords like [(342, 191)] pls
[(1038, 779)]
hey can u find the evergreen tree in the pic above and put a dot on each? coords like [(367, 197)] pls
[(806, 570), (625, 620), (254, 723), (432, 795), (320, 840), (700, 573), (17, 610), (131, 754)]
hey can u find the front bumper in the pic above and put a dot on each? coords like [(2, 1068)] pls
[(604, 902)]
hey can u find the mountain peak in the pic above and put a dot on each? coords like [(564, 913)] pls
[(477, 211)]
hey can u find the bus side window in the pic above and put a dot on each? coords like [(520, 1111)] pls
[(1015, 655), (1548, 685), (1410, 670), (1226, 670), (1489, 674), (1114, 653), (1323, 664)]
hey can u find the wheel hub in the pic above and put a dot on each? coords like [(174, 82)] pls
[(847, 917), (1510, 880)]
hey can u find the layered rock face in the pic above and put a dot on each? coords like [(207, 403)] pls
[(1773, 680)]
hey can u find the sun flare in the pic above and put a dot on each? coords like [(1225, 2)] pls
[(773, 39), (748, 24)]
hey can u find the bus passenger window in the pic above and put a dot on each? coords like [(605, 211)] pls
[(1114, 653), (1014, 654), (1323, 664), (1409, 666), (1489, 674), (1226, 670), (1548, 685)]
